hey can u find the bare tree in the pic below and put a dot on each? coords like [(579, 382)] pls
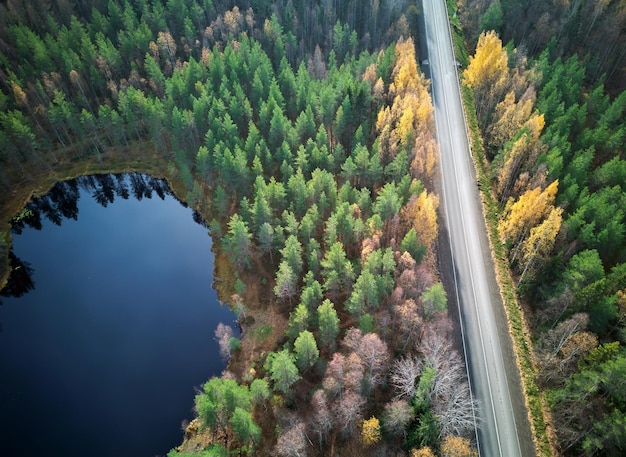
[(408, 282), (396, 417), (450, 397), (404, 374), (292, 443), (374, 354), (322, 420), (409, 321), (348, 412), (238, 306), (333, 378), (223, 334), (457, 412), (343, 373), (561, 348), (553, 340), (352, 339)]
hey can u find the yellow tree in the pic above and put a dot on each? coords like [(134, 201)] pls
[(487, 73), (455, 446), (509, 117), (411, 110), (426, 158), (422, 452), (519, 156), (370, 431), (521, 215), (421, 211), (538, 246)]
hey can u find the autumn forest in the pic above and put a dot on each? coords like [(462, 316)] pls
[(303, 133)]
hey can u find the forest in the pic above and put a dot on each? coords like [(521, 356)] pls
[(548, 85), (303, 133)]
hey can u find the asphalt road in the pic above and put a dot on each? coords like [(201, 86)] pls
[(503, 424)]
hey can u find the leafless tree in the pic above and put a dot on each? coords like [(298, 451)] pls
[(396, 417), (322, 420), (457, 412), (238, 306), (223, 334), (343, 373), (408, 282), (372, 352), (292, 443), (553, 340), (348, 411), (409, 321), (405, 262), (561, 348), (352, 339), (375, 356), (404, 375), (450, 396)]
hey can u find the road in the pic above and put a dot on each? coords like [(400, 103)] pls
[(503, 424)]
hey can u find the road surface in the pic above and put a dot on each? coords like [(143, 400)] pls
[(503, 428)]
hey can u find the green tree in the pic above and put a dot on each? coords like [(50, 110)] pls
[(337, 270), (218, 401), (247, 431), (306, 351), (238, 242), (327, 323), (286, 282), (282, 370), (299, 320), (411, 244), (292, 254), (434, 299), (259, 391)]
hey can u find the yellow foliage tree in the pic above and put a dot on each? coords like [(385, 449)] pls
[(422, 212), (526, 212), (489, 64), (370, 431), (509, 117), (621, 305), (422, 452), (455, 446), (411, 110), (538, 246), (487, 73), (425, 161), (517, 156)]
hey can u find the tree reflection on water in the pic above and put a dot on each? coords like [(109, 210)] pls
[(61, 203)]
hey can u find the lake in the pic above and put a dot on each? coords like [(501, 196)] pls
[(101, 357)]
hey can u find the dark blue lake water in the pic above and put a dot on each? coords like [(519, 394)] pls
[(102, 356)]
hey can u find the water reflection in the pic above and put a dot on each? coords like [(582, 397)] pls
[(61, 203), (62, 200), (119, 328), (21, 278)]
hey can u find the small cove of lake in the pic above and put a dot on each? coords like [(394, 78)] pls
[(102, 356)]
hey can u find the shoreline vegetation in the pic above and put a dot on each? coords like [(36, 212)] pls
[(302, 132)]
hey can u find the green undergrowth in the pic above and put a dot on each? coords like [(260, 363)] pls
[(458, 41)]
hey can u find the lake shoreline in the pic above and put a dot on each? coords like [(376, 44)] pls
[(38, 189)]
